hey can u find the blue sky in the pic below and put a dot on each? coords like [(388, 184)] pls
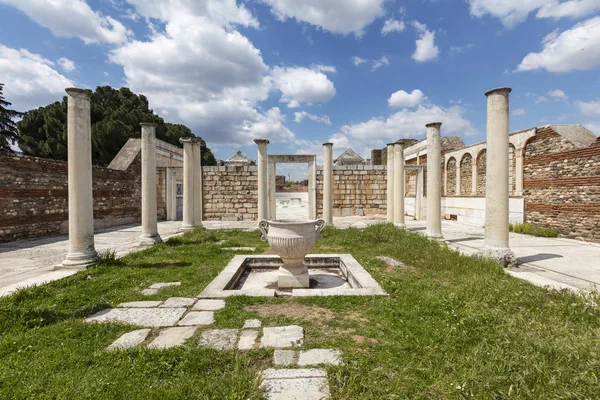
[(359, 73)]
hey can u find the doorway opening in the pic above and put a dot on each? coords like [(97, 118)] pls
[(292, 194)]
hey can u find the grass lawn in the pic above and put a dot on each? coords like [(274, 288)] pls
[(452, 328)]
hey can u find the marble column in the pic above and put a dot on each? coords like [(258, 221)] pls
[(399, 185), (312, 188), (519, 171), (474, 176), (419, 194), (272, 190), (82, 252), (263, 169), (197, 152), (149, 234), (434, 181), (390, 182), (496, 193), (328, 183), (171, 199), (188, 184)]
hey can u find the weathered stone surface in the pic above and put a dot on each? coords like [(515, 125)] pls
[(320, 356), (252, 324), (295, 384), (129, 340), (162, 285), (198, 318), (209, 305), (247, 339), (141, 304), (282, 336), (149, 317), (149, 292), (284, 358), (176, 302), (172, 337), (220, 339), (390, 261), (239, 248)]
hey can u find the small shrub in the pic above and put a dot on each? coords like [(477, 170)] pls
[(528, 229), (545, 232), (108, 257)]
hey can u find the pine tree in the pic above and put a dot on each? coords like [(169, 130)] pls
[(8, 129)]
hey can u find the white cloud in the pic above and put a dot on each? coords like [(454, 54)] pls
[(577, 48), (591, 108), (392, 25), (594, 127), (337, 16), (324, 68), (299, 116), (66, 64), (541, 99), (405, 99), (30, 81), (302, 85), (558, 94), (72, 18), (518, 112), (513, 12), (358, 60), (425, 50), (376, 64)]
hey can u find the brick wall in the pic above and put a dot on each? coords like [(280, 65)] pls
[(230, 193), (34, 197), (562, 186)]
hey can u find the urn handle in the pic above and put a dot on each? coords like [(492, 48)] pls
[(320, 226), (263, 225)]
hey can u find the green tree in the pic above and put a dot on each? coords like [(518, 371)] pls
[(8, 128), (116, 115), (176, 131)]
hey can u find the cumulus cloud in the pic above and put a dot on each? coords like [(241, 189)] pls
[(300, 85), (72, 18), (405, 99), (558, 94), (392, 25), (299, 116), (518, 112), (66, 64), (577, 48), (30, 81), (383, 61), (425, 50), (591, 108), (336, 16), (358, 60)]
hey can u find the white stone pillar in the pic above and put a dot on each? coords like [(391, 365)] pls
[(197, 152), (263, 171), (328, 183), (188, 184), (312, 188), (519, 171), (82, 252), (434, 181), (474, 176), (272, 190), (419, 194), (171, 196), (149, 234), (399, 185), (390, 182), (496, 193)]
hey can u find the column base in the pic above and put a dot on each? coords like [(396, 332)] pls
[(79, 260), (149, 239), (293, 277), (400, 225), (504, 257), (186, 228), (435, 236)]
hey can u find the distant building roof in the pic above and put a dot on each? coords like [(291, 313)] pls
[(239, 158), (451, 143), (579, 135), (349, 157)]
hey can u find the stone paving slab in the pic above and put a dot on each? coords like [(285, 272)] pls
[(148, 317), (129, 340), (198, 318), (209, 305), (320, 356), (282, 336), (141, 304), (171, 337), (220, 339), (177, 302), (284, 358), (295, 384), (162, 285), (252, 324), (247, 339), (239, 248), (36, 281), (390, 261)]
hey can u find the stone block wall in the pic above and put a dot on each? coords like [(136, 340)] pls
[(230, 193), (358, 190), (34, 197), (562, 186), (466, 175)]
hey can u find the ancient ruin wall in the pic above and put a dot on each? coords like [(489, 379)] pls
[(481, 172), (466, 175), (562, 188), (34, 197), (230, 193), (451, 177)]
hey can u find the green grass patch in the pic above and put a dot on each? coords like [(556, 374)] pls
[(453, 327), (529, 229)]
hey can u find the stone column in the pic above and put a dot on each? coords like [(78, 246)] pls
[(419, 195), (328, 183), (445, 177), (197, 152), (390, 182), (272, 190), (188, 184), (434, 181), (82, 252), (519, 171), (312, 188), (496, 193), (149, 234), (263, 170), (474, 176), (171, 196), (399, 185)]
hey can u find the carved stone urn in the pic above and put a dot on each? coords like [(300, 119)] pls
[(292, 241)]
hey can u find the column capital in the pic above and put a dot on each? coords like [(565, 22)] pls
[(433, 125), (148, 124), (501, 90), (261, 141), (328, 144), (191, 140), (77, 92)]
